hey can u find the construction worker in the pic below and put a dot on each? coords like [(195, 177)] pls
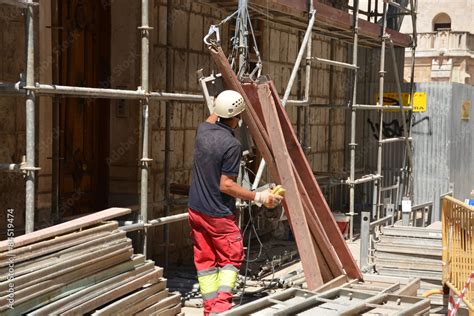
[(218, 244)]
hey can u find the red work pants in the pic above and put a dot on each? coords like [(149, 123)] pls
[(218, 255)]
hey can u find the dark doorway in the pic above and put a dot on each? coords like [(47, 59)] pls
[(84, 60)]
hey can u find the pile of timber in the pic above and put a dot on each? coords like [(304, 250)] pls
[(411, 252), (84, 266), (322, 248)]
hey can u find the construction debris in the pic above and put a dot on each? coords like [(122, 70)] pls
[(83, 266)]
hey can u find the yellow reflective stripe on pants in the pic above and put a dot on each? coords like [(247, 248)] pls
[(227, 278), (208, 283)]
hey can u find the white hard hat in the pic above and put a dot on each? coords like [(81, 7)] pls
[(229, 103)]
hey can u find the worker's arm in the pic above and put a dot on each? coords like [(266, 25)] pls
[(232, 188)]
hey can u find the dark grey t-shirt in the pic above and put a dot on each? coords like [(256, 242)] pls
[(216, 152)]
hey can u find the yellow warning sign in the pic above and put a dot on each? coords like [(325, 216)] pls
[(391, 98)]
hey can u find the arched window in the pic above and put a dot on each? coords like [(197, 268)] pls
[(441, 22)]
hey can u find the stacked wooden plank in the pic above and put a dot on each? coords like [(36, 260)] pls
[(83, 266), (322, 248), (411, 252)]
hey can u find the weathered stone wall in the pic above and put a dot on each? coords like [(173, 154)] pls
[(279, 46), (12, 115)]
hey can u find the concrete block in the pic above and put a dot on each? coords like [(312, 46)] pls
[(43, 201), (162, 25), (157, 149), (321, 143), (180, 25), (180, 75), (284, 41), (8, 109), (317, 47), (196, 8), (8, 148), (177, 144), (269, 68), (204, 62), (319, 157), (123, 186), (206, 10), (200, 113), (337, 160), (313, 138), (189, 141), (184, 5), (187, 113), (20, 148), (13, 44), (193, 85), (324, 162), (196, 30), (176, 115), (317, 84), (325, 50), (44, 183), (325, 84), (274, 46), (158, 187), (280, 77), (124, 172), (313, 115), (12, 195), (292, 47), (20, 113), (181, 176), (159, 68), (291, 113), (339, 116), (155, 115), (338, 141)]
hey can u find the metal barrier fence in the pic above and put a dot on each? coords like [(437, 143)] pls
[(458, 249), (419, 216)]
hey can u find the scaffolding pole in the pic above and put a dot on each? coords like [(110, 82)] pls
[(378, 184), (167, 161), (414, 7), (145, 160), (377, 192), (16, 89), (30, 120), (243, 38), (307, 83), (352, 144)]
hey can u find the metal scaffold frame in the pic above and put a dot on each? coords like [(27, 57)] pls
[(406, 168), (143, 93), (354, 106), (32, 90)]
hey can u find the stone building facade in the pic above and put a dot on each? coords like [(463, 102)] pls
[(445, 50), (115, 129)]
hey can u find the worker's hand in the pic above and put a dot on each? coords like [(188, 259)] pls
[(268, 199)]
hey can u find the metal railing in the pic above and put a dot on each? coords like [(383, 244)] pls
[(419, 216), (445, 40), (458, 249)]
